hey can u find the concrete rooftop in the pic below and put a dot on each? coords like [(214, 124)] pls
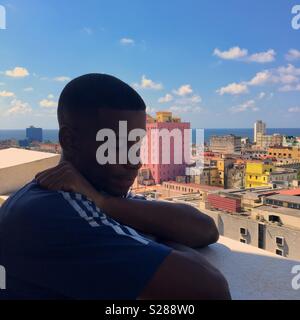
[(287, 198), (13, 157)]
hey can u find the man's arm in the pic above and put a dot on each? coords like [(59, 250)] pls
[(185, 275), (176, 222), (168, 221)]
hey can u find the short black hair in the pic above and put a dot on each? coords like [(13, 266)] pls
[(88, 93)]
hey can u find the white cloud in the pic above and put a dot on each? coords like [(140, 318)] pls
[(287, 78), (248, 105), (17, 72), (87, 30), (148, 84), (184, 90), (185, 109), (62, 79), (18, 107), (232, 54), (150, 110), (288, 88), (290, 69), (127, 42), (263, 57), (47, 103), (167, 98), (185, 102), (261, 95), (294, 109), (260, 78), (29, 89), (6, 94), (236, 53), (293, 55), (286, 75), (233, 89), (195, 99)]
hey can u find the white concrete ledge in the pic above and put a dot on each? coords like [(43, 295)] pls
[(253, 274)]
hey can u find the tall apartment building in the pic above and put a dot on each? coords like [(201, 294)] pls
[(265, 141), (166, 134), (34, 134), (229, 144), (259, 127)]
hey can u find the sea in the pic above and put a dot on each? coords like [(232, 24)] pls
[(52, 135)]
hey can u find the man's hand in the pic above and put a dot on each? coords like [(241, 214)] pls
[(67, 178)]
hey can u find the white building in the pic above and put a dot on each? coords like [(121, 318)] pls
[(19, 166), (259, 127)]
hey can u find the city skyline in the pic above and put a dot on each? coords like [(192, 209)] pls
[(223, 68)]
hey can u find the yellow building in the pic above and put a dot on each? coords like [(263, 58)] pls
[(258, 174), (285, 153), (164, 116), (223, 166)]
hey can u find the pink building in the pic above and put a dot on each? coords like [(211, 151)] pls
[(168, 141)]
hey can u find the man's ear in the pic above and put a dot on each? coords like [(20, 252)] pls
[(67, 139)]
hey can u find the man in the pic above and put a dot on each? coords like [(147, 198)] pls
[(73, 233)]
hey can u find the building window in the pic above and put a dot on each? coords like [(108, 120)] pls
[(243, 231), (273, 218), (243, 241), (279, 252), (280, 241)]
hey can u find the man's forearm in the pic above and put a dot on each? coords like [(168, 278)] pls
[(168, 221)]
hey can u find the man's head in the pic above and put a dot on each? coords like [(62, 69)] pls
[(88, 104)]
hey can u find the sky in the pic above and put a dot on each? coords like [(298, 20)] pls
[(215, 63)]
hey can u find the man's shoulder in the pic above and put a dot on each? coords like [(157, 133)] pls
[(32, 202)]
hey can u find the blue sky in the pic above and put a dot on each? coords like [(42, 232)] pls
[(217, 64)]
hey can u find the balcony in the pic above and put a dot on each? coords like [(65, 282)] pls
[(253, 274)]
